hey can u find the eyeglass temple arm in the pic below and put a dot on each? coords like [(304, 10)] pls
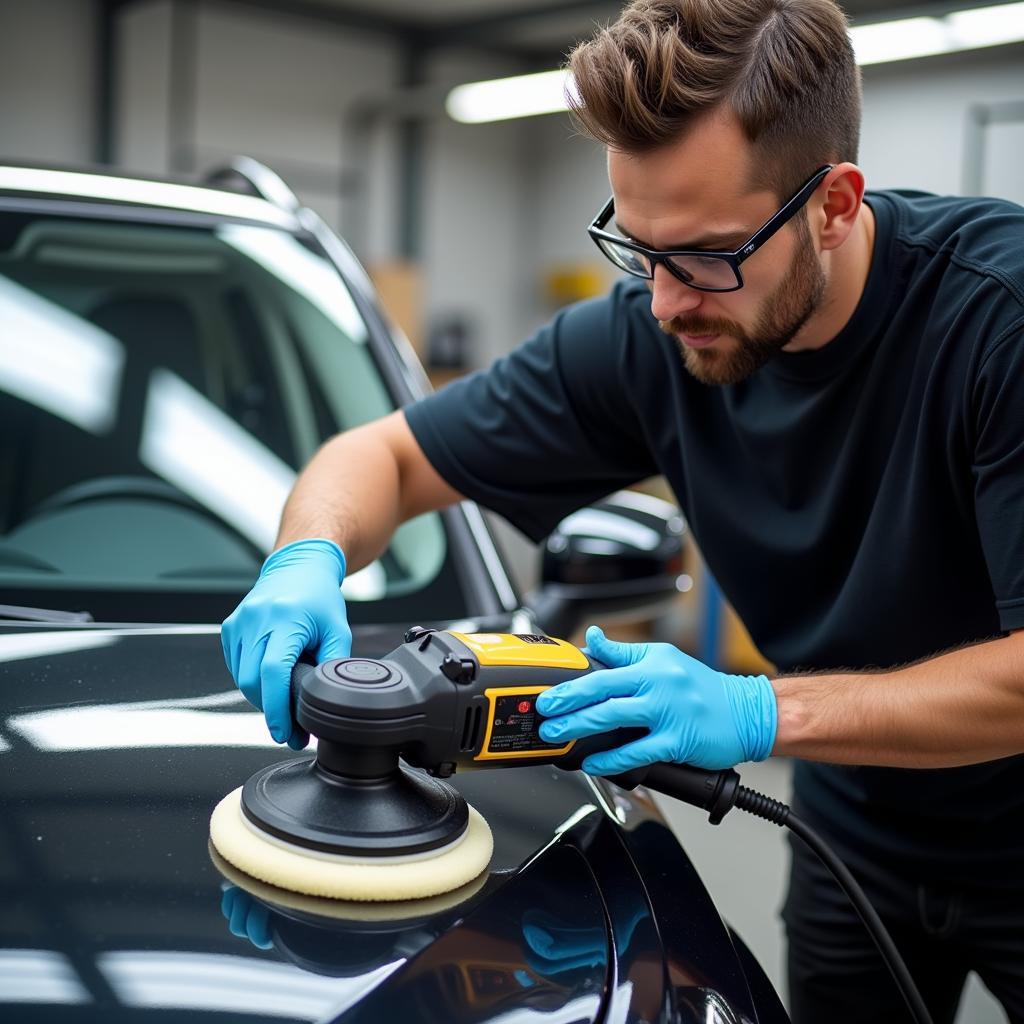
[(787, 212)]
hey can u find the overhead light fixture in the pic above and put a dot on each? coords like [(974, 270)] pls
[(505, 98), (924, 37), (545, 93)]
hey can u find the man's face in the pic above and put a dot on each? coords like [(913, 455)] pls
[(693, 194)]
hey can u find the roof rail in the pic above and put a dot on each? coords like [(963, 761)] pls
[(243, 174)]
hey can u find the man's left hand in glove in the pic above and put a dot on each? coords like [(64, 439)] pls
[(694, 714)]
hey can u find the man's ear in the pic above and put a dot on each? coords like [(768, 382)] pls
[(836, 214)]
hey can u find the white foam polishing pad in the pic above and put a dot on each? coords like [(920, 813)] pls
[(350, 911), (317, 873)]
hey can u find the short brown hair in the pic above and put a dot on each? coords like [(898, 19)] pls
[(785, 68)]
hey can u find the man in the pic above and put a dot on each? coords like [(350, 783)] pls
[(833, 384)]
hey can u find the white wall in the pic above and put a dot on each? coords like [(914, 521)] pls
[(915, 121), (278, 88), (273, 87), (476, 203), (47, 80), (142, 104)]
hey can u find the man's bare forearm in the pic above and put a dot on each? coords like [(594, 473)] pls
[(350, 493), (957, 708)]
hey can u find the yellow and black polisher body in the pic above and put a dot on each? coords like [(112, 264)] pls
[(445, 702), (441, 702)]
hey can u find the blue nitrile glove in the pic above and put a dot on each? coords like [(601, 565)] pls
[(694, 714), (246, 918), (295, 605)]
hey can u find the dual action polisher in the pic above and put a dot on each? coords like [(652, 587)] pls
[(370, 817)]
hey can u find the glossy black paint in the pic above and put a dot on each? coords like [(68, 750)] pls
[(119, 742)]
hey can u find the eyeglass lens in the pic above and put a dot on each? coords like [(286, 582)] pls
[(702, 271)]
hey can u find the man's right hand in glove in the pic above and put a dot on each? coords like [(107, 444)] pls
[(296, 605)]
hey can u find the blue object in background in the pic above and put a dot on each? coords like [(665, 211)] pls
[(710, 640)]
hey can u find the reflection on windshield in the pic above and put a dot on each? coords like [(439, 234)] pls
[(58, 361), (309, 275), (189, 442)]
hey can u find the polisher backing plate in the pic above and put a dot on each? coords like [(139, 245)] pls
[(322, 874)]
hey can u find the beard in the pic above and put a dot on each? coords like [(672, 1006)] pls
[(781, 316)]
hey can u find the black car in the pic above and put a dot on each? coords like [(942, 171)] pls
[(170, 356)]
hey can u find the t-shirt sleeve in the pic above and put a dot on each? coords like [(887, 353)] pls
[(546, 429), (999, 471)]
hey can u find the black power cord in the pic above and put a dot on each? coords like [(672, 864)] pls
[(719, 792)]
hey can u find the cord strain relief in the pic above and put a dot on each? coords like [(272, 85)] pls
[(763, 806)]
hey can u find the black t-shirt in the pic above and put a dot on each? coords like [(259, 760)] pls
[(861, 505)]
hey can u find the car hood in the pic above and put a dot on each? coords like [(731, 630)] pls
[(116, 744)]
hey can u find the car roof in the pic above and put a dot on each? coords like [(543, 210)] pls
[(101, 185)]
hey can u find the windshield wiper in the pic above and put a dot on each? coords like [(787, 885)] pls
[(14, 611)]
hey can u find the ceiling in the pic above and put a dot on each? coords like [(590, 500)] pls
[(539, 31)]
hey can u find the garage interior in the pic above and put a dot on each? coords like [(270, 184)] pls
[(346, 100)]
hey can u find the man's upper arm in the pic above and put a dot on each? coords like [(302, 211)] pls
[(998, 470), (423, 489)]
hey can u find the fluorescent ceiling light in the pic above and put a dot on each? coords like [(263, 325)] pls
[(504, 98), (923, 37), (898, 40), (545, 93), (987, 26)]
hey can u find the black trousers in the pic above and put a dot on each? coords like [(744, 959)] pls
[(836, 974)]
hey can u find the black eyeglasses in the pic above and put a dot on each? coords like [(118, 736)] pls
[(706, 271)]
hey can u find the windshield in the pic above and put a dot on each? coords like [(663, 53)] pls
[(160, 387)]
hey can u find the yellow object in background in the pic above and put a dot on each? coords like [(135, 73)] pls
[(738, 650), (572, 282), (400, 289)]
